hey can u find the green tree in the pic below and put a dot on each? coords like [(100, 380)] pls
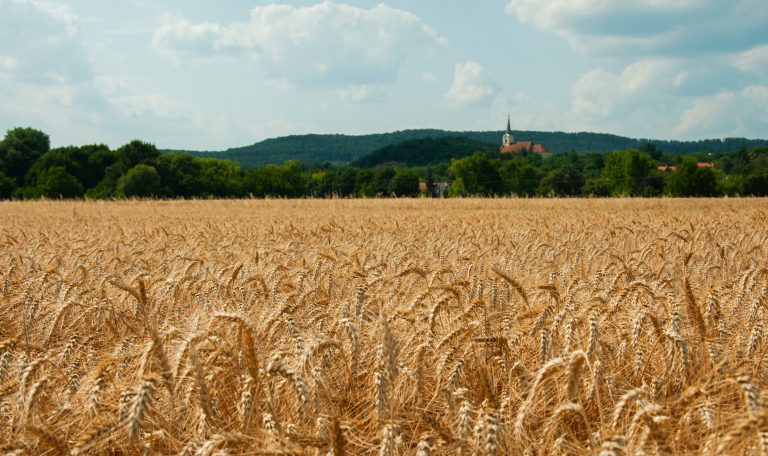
[(287, 180), (756, 184), (137, 152), (596, 187), (404, 184), (429, 183), (293, 180), (364, 183), (380, 183), (7, 186), (317, 183), (651, 150), (19, 150), (56, 182), (220, 178), (736, 163), (732, 185), (519, 177), (526, 180), (592, 165), (141, 180), (103, 190), (93, 161), (690, 180), (87, 163), (627, 173), (561, 182), (475, 175), (126, 157), (343, 182), (261, 182), (179, 175), (51, 159)]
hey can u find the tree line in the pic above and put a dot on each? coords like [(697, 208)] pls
[(30, 168)]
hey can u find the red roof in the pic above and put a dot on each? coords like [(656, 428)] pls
[(673, 168), (523, 145)]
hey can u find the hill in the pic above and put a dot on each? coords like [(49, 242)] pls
[(314, 148), (418, 152), (343, 149)]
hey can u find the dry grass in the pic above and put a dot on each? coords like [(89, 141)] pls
[(384, 327)]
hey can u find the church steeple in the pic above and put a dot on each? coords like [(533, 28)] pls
[(508, 139)]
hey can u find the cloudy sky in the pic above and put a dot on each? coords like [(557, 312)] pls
[(215, 74)]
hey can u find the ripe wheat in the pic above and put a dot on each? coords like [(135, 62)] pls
[(403, 327)]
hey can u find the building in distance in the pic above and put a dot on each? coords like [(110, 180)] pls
[(510, 146), (673, 168)]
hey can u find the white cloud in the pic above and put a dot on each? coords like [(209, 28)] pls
[(276, 127), (324, 44), (189, 40), (429, 77), (741, 113), (594, 95), (56, 109), (472, 85), (159, 105), (754, 60), (62, 13), (135, 107), (364, 94), (688, 58), (131, 99), (8, 63), (39, 43), (281, 84), (524, 111), (45, 71), (650, 92), (683, 77), (114, 85), (649, 27)]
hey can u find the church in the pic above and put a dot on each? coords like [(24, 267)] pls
[(509, 145)]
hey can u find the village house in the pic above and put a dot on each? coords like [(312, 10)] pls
[(438, 188), (510, 146), (673, 168)]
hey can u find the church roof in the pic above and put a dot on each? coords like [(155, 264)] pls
[(519, 146), (523, 145)]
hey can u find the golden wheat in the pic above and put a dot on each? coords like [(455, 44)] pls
[(391, 327)]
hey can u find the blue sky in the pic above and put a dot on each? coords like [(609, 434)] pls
[(219, 74)]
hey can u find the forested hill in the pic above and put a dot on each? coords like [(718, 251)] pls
[(343, 149), (318, 149), (425, 151)]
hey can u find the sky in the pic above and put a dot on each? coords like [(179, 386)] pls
[(209, 75)]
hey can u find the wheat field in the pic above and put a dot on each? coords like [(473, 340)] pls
[(394, 327)]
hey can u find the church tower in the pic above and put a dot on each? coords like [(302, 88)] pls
[(508, 139)]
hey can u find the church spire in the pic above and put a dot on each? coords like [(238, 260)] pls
[(507, 139)]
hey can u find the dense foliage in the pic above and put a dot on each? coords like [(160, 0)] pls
[(421, 152), (343, 149), (29, 168)]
